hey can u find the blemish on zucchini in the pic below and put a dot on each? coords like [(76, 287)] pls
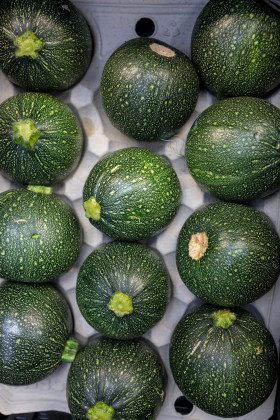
[(35, 236)]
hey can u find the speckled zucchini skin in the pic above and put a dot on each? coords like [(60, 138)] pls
[(138, 191), (225, 372), (126, 375), (35, 323), (242, 261), (235, 47), (64, 31), (57, 151), (232, 149), (146, 95), (40, 236), (136, 271)]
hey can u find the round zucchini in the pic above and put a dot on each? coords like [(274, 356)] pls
[(116, 379), (228, 254), (44, 45), (40, 235), (232, 149), (35, 327), (148, 89), (224, 361), (235, 47), (123, 289), (41, 139), (131, 194)]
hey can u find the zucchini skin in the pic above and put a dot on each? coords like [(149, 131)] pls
[(55, 154), (232, 149), (67, 38), (133, 269), (40, 236), (35, 323), (138, 191), (242, 261), (224, 372), (126, 375), (235, 47), (147, 95)]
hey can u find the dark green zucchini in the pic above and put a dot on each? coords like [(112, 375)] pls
[(224, 361), (148, 89), (228, 254), (123, 289), (232, 149), (131, 194), (35, 327), (40, 235), (116, 379), (235, 47), (41, 139), (44, 45)]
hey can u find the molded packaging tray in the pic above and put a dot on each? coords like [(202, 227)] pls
[(114, 22)]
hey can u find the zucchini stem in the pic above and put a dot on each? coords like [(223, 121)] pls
[(121, 304), (101, 411), (93, 209), (25, 133), (223, 318), (70, 350), (28, 45), (39, 189)]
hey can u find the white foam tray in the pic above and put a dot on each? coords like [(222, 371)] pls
[(112, 23)]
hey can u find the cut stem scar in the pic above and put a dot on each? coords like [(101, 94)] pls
[(198, 245), (162, 50)]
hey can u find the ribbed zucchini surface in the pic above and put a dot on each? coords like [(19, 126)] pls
[(132, 269), (40, 236), (128, 376), (35, 323), (227, 372)]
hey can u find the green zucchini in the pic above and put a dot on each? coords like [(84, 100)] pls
[(41, 139), (123, 289), (148, 89), (235, 47), (232, 149), (228, 254), (131, 194), (36, 324), (224, 361), (44, 45), (40, 235), (116, 379)]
